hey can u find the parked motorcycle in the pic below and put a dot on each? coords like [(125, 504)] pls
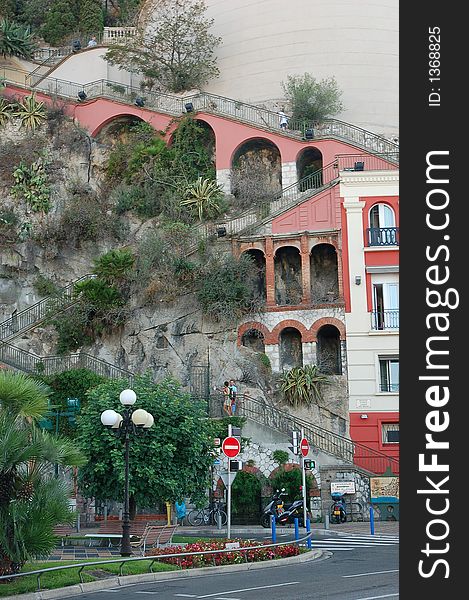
[(282, 514), (338, 513)]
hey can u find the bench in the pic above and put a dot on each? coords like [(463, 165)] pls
[(113, 530), (155, 536), (63, 531)]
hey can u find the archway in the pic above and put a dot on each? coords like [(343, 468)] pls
[(328, 350), (290, 349), (256, 172), (259, 261), (288, 279), (309, 164), (195, 142), (324, 274), (117, 129), (253, 339)]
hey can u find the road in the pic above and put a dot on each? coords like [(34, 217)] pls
[(361, 572)]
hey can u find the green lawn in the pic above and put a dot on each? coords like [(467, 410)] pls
[(68, 577)]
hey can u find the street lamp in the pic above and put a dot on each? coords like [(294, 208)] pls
[(132, 421)]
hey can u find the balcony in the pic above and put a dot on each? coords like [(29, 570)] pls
[(388, 386), (382, 236), (384, 319)]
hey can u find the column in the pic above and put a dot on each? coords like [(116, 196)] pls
[(305, 270), (269, 272)]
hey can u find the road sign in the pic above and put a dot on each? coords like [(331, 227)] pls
[(304, 447), (231, 447)]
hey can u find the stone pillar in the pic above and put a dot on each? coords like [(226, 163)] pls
[(340, 275), (223, 179), (309, 353), (305, 271), (272, 351), (289, 174), (358, 304), (269, 272), (343, 356)]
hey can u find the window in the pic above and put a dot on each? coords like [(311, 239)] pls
[(389, 374), (390, 433), (385, 306), (382, 230)]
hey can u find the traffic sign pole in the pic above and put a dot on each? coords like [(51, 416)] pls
[(231, 447), (303, 474), (228, 504)]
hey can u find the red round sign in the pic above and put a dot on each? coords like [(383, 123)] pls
[(231, 447), (304, 447)]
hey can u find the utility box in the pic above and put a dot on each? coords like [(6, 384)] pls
[(386, 509)]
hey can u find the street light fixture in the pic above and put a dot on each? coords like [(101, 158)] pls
[(131, 422)]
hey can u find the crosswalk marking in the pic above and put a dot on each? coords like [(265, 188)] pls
[(352, 542)]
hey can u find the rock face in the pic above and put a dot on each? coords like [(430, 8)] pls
[(169, 337)]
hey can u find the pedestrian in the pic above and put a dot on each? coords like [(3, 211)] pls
[(92, 42), (233, 396), (282, 119), (226, 398), (76, 46), (180, 507)]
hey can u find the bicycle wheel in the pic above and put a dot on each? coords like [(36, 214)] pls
[(223, 515), (196, 517)]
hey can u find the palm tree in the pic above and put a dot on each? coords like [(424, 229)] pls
[(15, 39), (32, 500)]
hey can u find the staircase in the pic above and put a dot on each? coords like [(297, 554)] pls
[(243, 112), (35, 314), (331, 443)]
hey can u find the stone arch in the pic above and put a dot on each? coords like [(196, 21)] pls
[(208, 137), (315, 483), (324, 272), (245, 327), (258, 257), (316, 326), (116, 127), (256, 170), (309, 161), (254, 340), (288, 276), (328, 351), (290, 348), (277, 330)]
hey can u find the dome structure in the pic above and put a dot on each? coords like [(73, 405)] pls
[(264, 41)]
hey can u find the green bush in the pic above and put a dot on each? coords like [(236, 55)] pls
[(246, 491), (32, 185), (312, 100), (114, 266), (60, 21), (72, 329), (280, 456), (303, 385), (292, 482), (45, 286), (99, 294), (91, 16)]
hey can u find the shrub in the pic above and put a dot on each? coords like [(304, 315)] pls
[(31, 113), (45, 286), (8, 226), (246, 490), (280, 456), (114, 266), (228, 289), (204, 196), (60, 21), (32, 185), (72, 328), (292, 481), (303, 385), (312, 100), (91, 18), (98, 294)]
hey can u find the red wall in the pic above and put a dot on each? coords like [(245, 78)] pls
[(368, 432)]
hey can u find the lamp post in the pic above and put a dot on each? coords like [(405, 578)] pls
[(131, 422)]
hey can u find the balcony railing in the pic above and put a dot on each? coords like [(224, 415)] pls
[(388, 386), (383, 236), (386, 161), (385, 319)]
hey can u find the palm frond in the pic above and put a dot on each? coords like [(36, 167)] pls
[(22, 396)]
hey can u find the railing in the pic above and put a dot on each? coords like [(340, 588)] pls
[(383, 236), (211, 103), (152, 559), (49, 365), (35, 314), (368, 162), (387, 386), (385, 319), (327, 441)]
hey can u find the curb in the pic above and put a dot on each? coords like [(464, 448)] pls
[(116, 581)]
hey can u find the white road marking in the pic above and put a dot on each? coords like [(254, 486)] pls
[(145, 592), (373, 573), (186, 595), (376, 597), (261, 587)]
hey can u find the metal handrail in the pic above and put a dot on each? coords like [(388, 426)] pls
[(122, 562), (327, 441), (36, 313), (212, 103), (382, 236), (385, 319)]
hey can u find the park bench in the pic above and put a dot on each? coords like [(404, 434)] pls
[(63, 531), (112, 530), (155, 536)]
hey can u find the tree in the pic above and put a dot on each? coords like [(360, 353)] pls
[(15, 39), (312, 100), (176, 51), (170, 461), (61, 21), (32, 500), (91, 17), (8, 9), (291, 480)]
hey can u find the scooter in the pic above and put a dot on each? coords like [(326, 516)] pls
[(338, 514), (292, 512), (274, 508), (282, 514)]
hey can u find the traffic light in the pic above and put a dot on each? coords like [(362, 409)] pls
[(295, 442), (236, 465), (309, 464)]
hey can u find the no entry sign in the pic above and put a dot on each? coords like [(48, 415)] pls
[(304, 447), (231, 447)]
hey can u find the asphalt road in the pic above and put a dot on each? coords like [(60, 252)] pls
[(364, 573)]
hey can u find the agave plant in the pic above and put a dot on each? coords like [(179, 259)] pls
[(15, 39), (303, 385), (5, 111), (204, 195), (31, 112)]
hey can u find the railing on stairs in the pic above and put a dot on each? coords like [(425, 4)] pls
[(33, 315), (211, 103), (326, 441), (48, 365)]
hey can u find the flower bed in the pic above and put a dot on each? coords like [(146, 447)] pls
[(226, 558)]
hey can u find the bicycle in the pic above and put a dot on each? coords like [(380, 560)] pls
[(207, 516)]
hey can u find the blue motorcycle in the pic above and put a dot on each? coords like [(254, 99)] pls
[(338, 513)]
